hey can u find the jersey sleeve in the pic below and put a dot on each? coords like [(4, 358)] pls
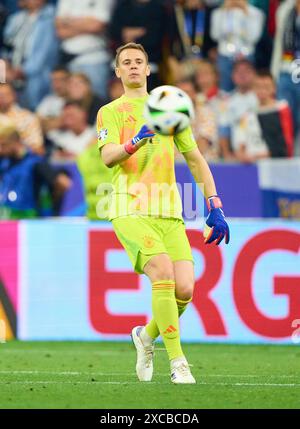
[(185, 141), (107, 127)]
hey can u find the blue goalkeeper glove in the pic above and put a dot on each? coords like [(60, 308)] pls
[(132, 145), (216, 227)]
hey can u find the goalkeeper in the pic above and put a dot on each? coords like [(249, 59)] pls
[(146, 210)]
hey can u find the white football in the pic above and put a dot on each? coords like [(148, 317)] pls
[(168, 110)]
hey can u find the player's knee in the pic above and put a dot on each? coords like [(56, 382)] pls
[(162, 273), (184, 291), (159, 268)]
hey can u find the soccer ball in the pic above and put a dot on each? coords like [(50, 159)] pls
[(168, 110)]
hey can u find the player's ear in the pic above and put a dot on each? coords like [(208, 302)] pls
[(117, 72), (148, 71)]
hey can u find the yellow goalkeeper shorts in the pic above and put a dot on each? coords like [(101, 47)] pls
[(144, 236)]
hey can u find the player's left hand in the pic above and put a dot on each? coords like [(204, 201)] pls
[(143, 134), (216, 227)]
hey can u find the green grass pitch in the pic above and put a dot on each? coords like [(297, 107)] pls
[(102, 375)]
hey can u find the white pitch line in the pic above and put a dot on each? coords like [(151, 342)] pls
[(67, 373), (153, 382), (72, 382), (66, 352), (251, 375), (78, 373), (257, 384)]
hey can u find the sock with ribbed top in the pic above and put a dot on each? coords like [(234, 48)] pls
[(150, 332), (165, 314)]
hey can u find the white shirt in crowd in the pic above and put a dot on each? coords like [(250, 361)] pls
[(235, 31), (89, 47), (71, 142), (238, 104), (247, 132), (51, 106)]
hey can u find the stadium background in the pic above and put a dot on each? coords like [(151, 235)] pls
[(67, 277)]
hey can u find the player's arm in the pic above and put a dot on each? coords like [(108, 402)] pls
[(201, 172), (113, 154), (216, 227)]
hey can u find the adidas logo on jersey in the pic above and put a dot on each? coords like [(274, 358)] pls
[(130, 120)]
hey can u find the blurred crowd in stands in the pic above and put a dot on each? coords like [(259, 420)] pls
[(239, 60)]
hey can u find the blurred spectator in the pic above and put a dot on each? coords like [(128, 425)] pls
[(209, 94), (80, 90), (247, 140), (75, 134), (96, 180), (264, 47), (12, 6), (6, 71), (22, 174), (191, 38), (204, 125), (241, 101), (31, 47), (81, 26), (145, 22), (3, 16), (286, 58), (115, 89), (275, 117), (206, 79), (26, 122), (195, 15), (237, 27), (268, 131), (50, 108)]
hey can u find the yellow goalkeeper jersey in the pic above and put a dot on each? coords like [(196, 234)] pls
[(144, 184)]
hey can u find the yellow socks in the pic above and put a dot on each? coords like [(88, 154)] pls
[(165, 313), (181, 305), (152, 329)]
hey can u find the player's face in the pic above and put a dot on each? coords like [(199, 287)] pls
[(132, 68)]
